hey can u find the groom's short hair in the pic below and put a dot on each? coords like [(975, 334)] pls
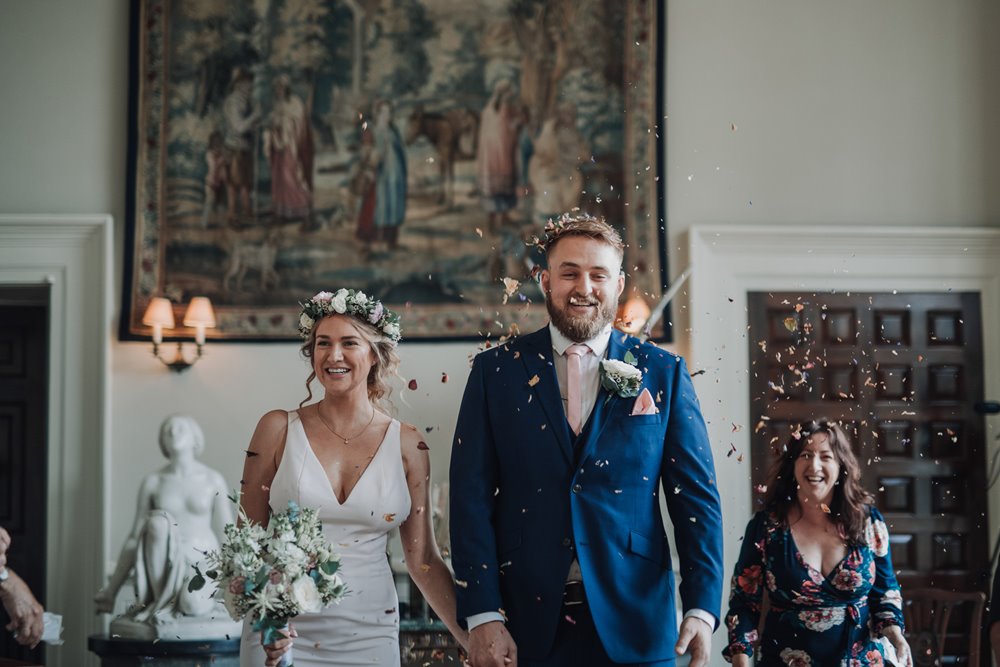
[(582, 224)]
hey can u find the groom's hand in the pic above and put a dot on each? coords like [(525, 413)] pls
[(695, 638), (490, 645)]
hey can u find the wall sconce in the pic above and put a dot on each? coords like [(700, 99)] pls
[(160, 315), (632, 314)]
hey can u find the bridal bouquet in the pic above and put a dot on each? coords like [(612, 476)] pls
[(276, 573)]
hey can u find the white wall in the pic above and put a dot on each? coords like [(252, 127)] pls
[(848, 112), (845, 112)]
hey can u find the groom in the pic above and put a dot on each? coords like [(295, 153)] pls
[(563, 438)]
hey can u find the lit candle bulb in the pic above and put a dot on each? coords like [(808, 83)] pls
[(157, 333), (199, 334)]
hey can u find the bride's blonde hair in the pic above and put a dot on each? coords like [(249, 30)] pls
[(379, 377)]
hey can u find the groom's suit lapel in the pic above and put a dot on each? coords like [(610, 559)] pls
[(606, 400), (537, 360)]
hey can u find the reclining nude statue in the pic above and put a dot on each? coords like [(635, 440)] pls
[(182, 509)]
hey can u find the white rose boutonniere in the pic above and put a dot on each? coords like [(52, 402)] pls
[(621, 377)]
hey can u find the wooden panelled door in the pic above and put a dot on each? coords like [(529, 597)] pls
[(902, 372), (23, 442)]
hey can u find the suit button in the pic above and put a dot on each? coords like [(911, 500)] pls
[(577, 488), (567, 541)]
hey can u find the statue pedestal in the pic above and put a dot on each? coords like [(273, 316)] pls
[(116, 652), (169, 627)]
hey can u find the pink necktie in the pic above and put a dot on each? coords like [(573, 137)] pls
[(574, 378)]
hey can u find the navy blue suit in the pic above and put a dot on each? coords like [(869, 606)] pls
[(527, 496)]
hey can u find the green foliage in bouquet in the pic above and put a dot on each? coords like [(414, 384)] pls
[(276, 573)]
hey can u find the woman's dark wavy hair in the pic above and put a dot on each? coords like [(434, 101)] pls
[(848, 510)]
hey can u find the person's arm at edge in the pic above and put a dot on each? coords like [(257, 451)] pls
[(26, 614), (420, 549), (263, 456), (695, 509), (473, 477)]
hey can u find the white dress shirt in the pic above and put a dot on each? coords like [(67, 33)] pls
[(590, 377)]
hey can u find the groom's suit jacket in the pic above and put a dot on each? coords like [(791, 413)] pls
[(527, 496)]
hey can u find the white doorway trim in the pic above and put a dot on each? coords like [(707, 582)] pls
[(729, 261), (73, 255)]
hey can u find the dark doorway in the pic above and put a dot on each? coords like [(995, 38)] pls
[(903, 373), (24, 345)]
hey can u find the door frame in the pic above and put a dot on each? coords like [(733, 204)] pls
[(729, 261), (74, 255)]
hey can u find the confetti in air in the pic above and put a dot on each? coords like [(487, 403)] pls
[(510, 287)]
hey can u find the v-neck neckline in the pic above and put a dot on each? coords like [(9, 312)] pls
[(809, 566), (329, 484)]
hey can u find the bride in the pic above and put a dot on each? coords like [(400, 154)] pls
[(364, 472)]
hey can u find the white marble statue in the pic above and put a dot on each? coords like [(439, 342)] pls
[(181, 512)]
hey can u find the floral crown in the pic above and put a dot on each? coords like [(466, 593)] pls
[(349, 302), (556, 227)]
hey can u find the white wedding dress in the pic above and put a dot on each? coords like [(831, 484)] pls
[(363, 629)]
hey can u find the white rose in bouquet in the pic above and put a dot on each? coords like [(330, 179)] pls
[(306, 595)]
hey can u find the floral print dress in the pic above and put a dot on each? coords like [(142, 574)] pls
[(812, 619)]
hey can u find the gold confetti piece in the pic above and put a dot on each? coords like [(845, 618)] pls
[(424, 567), (534, 380), (824, 507), (799, 307), (463, 584), (389, 517), (480, 232), (791, 324)]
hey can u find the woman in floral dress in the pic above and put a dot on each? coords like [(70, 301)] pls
[(821, 552)]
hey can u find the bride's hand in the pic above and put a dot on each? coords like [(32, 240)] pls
[(279, 648)]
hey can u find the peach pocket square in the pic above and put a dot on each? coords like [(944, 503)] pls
[(644, 404)]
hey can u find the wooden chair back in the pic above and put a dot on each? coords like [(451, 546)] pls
[(938, 620)]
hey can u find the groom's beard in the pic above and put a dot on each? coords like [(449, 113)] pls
[(580, 328)]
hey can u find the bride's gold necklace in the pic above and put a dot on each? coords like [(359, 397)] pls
[(346, 440)]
